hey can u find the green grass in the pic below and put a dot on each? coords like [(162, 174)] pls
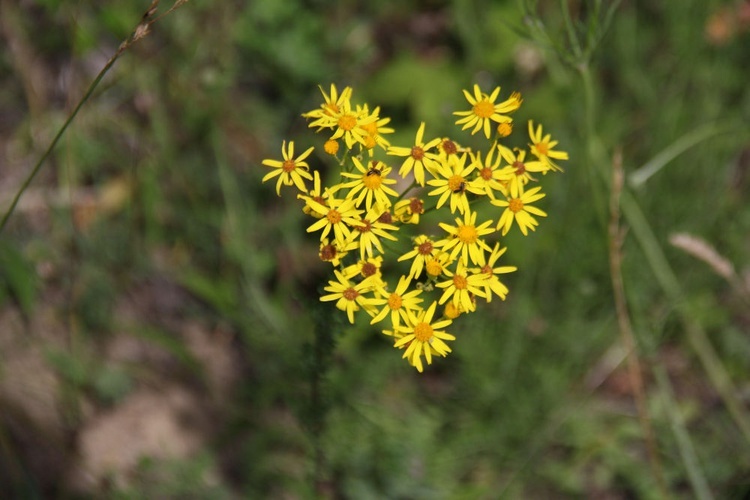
[(183, 237)]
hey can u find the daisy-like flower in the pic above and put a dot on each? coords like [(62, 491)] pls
[(422, 336), (397, 302), (375, 131), (461, 286), (489, 177), (408, 211), (465, 239), (371, 184), (332, 106), (317, 195), (484, 110), (339, 216), (518, 207), (518, 170), (448, 148), (370, 230), (492, 283), (542, 147), (437, 265), (418, 157), (291, 170), (334, 251), (349, 297), (350, 124), (453, 182), (424, 247), (367, 268)]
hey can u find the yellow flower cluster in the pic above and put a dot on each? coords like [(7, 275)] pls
[(362, 218)]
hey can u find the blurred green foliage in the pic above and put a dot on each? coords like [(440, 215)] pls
[(181, 125)]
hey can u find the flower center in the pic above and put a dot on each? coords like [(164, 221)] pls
[(468, 234), (369, 269), (425, 248), (331, 108), (372, 181), (416, 206), (333, 216), (385, 218), (371, 128), (370, 141), (457, 184), (423, 332), (288, 166), (487, 269), (542, 149), (417, 153), (484, 109), (449, 147), (394, 301), (460, 282), (365, 227), (486, 173), (328, 253), (350, 294), (515, 205), (347, 122), (520, 167)]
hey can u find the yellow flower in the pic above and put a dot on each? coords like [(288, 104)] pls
[(349, 297), (334, 251), (437, 265), (453, 182), (366, 268), (422, 336), (465, 239), (371, 184), (461, 286), (517, 170), (291, 170), (332, 106), (518, 208), (542, 147), (339, 215), (408, 211), (375, 130), (350, 124), (492, 282), (484, 110), (315, 194), (489, 176), (397, 302), (418, 157), (370, 229), (423, 247)]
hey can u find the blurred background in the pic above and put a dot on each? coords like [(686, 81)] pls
[(160, 329)]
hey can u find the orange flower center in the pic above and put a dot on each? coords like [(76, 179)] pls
[(486, 173), (394, 301), (520, 167), (288, 166), (515, 205), (468, 234), (460, 282), (423, 332), (371, 128), (350, 294), (347, 122), (484, 109), (372, 181), (417, 153), (487, 269), (328, 253), (457, 184), (542, 148), (333, 216), (504, 129), (331, 147)]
